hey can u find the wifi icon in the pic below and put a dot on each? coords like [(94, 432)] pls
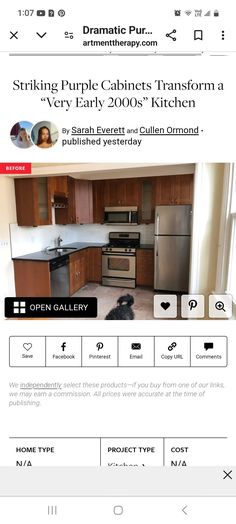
[(188, 13)]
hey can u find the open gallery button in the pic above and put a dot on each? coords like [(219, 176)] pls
[(165, 306)]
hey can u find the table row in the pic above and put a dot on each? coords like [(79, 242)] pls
[(118, 351), (128, 451)]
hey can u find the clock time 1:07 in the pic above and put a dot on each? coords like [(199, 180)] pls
[(26, 12)]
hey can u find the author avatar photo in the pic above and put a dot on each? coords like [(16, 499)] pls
[(20, 134), (44, 134)]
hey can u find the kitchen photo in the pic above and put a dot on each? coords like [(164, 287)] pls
[(118, 230)]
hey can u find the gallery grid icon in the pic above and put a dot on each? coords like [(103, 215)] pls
[(19, 308)]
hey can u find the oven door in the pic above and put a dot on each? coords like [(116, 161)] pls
[(118, 265)]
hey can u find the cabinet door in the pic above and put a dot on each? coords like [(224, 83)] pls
[(145, 267), (33, 206), (183, 189), (147, 206), (44, 210), (114, 192), (98, 201), (164, 191), (174, 189), (58, 185), (78, 270), (132, 192), (94, 260), (32, 278), (82, 267), (83, 202)]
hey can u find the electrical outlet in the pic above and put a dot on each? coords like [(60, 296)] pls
[(4, 243)]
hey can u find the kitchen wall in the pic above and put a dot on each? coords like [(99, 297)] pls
[(29, 239), (7, 215)]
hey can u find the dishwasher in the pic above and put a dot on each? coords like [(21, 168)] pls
[(60, 278)]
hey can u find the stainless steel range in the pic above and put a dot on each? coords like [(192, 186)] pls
[(119, 260)]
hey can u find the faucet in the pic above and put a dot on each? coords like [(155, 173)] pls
[(58, 241)]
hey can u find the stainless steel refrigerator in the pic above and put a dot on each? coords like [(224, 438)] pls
[(172, 247)]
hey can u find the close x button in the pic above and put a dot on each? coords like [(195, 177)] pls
[(14, 35), (27, 307), (227, 474)]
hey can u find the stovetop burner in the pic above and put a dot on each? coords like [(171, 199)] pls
[(129, 240)]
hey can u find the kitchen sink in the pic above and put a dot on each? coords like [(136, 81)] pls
[(62, 249)]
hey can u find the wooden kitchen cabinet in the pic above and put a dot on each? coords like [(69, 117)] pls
[(174, 190), (122, 192), (164, 190), (132, 192), (98, 201), (77, 208), (32, 278), (33, 203), (83, 199), (114, 192), (145, 267), (184, 189), (78, 270), (58, 185), (94, 266), (147, 206)]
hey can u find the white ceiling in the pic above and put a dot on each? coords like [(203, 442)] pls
[(108, 170)]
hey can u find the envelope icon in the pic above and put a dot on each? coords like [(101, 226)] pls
[(136, 345)]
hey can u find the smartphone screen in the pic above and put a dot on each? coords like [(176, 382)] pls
[(117, 202)]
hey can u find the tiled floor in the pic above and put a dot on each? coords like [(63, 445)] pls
[(107, 297)]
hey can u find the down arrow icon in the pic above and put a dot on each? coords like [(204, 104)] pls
[(41, 36)]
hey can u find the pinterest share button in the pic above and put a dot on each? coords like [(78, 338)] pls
[(192, 306)]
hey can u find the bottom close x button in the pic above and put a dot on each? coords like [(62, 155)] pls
[(228, 474)]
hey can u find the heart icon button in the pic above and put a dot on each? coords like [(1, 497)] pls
[(165, 305), (27, 346)]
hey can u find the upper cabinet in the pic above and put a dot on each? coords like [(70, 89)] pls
[(83, 201), (174, 190), (33, 203), (146, 212), (77, 207), (58, 185), (122, 192), (132, 192), (98, 201), (114, 193)]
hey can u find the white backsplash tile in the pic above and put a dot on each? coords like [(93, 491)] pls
[(30, 239)]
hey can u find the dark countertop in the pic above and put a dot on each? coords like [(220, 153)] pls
[(146, 246), (43, 256)]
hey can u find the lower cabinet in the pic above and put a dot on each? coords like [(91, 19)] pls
[(32, 278), (94, 264), (145, 267), (85, 266), (78, 270)]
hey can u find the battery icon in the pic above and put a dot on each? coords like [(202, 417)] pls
[(40, 12)]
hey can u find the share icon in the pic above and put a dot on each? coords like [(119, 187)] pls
[(170, 35)]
